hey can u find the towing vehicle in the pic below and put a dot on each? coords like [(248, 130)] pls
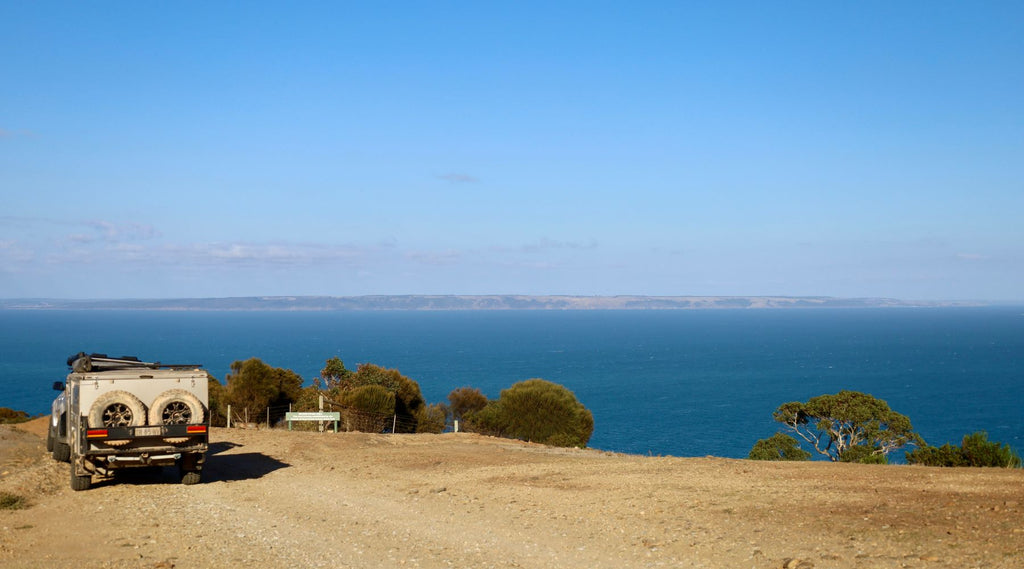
[(116, 413)]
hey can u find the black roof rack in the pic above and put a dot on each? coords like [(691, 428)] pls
[(83, 362)]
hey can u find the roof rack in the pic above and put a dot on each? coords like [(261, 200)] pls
[(82, 362)]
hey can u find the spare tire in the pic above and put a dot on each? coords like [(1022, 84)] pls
[(176, 407), (117, 409)]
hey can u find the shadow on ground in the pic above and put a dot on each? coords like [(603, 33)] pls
[(243, 466), (219, 467)]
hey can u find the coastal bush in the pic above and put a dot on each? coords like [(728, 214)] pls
[(346, 389), (974, 450), (333, 376), (863, 454), (465, 401), (408, 398), (253, 386), (837, 424), (432, 418), (367, 408), (218, 401), (778, 447), (539, 411), (10, 416)]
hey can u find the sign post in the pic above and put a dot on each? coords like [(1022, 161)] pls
[(334, 416)]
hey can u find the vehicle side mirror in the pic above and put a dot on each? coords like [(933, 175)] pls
[(58, 386)]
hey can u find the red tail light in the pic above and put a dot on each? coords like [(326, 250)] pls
[(96, 433), (196, 430)]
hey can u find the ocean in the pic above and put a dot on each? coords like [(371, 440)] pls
[(681, 383)]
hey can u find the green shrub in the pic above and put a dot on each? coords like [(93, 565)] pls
[(539, 411), (864, 455), (10, 416), (465, 401), (408, 398), (778, 447), (432, 418), (11, 501), (369, 408), (974, 450)]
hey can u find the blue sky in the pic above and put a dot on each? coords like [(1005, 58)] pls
[(205, 149)]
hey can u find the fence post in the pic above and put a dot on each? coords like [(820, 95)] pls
[(394, 423), (456, 425), (268, 417), (229, 416)]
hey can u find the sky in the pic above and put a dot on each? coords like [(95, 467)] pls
[(215, 149)]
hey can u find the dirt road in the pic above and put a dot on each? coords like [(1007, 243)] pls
[(300, 499)]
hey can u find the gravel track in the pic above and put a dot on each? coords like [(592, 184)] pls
[(350, 500)]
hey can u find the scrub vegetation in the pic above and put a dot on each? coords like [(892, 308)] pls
[(375, 399), (851, 426)]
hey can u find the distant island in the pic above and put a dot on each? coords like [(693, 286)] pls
[(470, 302)]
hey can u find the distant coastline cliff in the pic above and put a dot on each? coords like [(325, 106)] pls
[(469, 302)]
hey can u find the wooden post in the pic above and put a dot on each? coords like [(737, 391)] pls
[(229, 416), (394, 423), (321, 409), (268, 417), (456, 425)]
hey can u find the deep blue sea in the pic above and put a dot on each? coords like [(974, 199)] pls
[(683, 383)]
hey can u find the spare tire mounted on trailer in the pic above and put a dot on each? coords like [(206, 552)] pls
[(117, 409), (176, 407)]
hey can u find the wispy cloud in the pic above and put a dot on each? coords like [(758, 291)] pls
[(21, 133), (546, 244), (458, 178), (447, 257)]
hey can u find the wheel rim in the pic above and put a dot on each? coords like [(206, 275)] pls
[(117, 415), (177, 413)]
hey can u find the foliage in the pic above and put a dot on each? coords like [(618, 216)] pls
[(218, 401), (834, 424), (368, 408), (253, 386), (465, 401), (333, 376), (347, 388), (863, 454), (408, 398), (539, 411), (11, 501), (778, 447), (974, 450), (432, 418), (10, 416)]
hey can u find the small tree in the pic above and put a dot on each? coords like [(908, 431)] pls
[(252, 386), (408, 400), (778, 447), (333, 375), (848, 421), (432, 418), (369, 408), (465, 401), (218, 401), (539, 411), (974, 450)]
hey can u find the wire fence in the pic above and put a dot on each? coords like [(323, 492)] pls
[(352, 419)]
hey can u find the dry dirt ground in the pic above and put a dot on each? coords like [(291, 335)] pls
[(305, 499)]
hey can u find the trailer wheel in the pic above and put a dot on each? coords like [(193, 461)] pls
[(61, 451), (191, 477), (176, 407), (117, 409), (79, 483)]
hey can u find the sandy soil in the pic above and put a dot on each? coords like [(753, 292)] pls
[(302, 499)]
